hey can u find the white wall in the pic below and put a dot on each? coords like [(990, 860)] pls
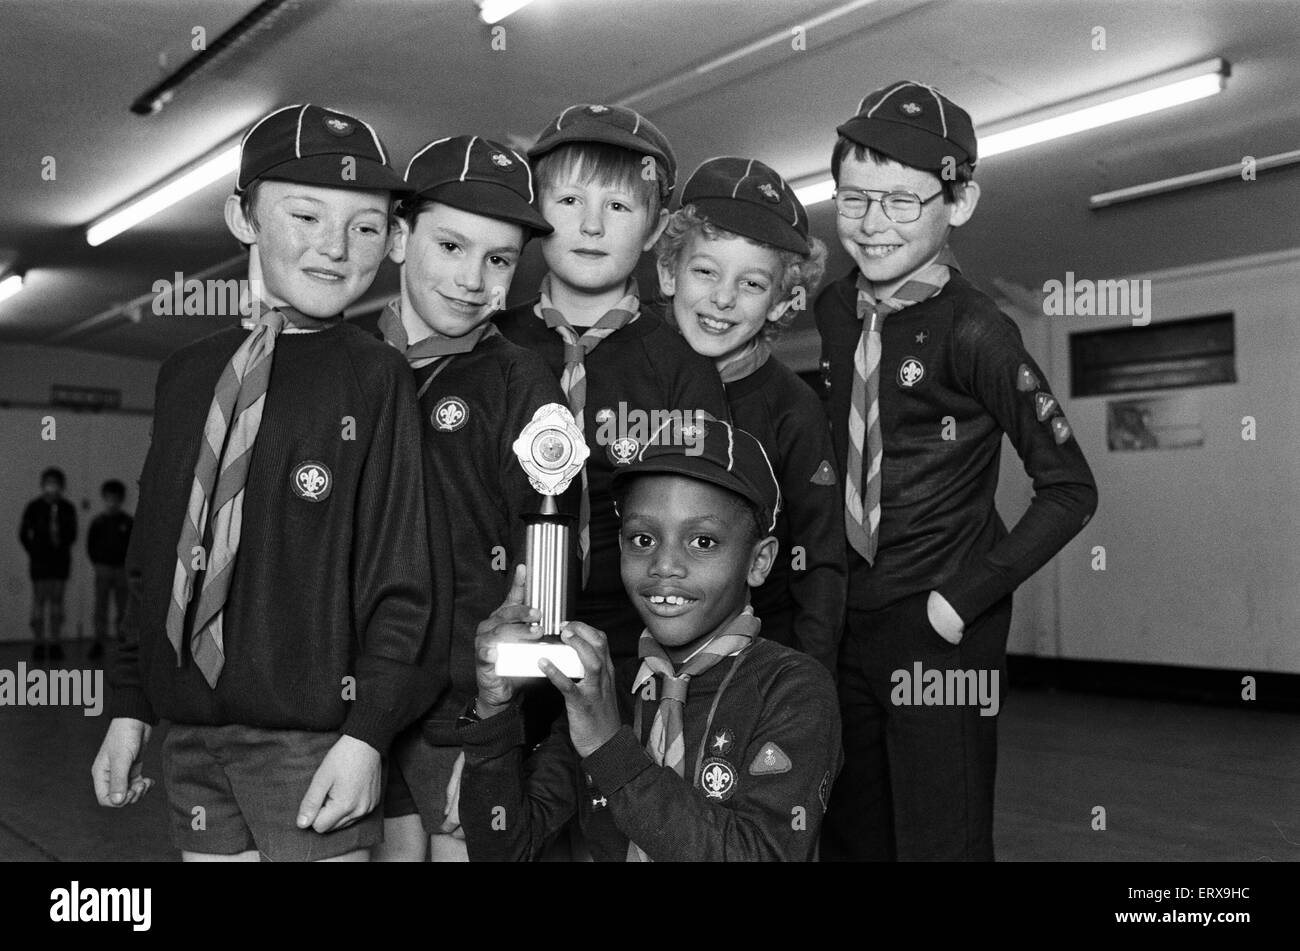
[(89, 447), (1202, 548)]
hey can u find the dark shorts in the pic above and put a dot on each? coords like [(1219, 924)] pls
[(249, 783), (418, 773)]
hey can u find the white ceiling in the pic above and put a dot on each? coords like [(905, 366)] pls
[(419, 69)]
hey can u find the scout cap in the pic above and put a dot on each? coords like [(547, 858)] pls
[(307, 144), (913, 124), (479, 176), (721, 455), (613, 125), (747, 198)]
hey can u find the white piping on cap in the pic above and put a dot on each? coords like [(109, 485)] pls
[(244, 140), (383, 156), (527, 171), (468, 148), (407, 174), (297, 136)]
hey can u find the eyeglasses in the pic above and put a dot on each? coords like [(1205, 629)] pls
[(899, 207)]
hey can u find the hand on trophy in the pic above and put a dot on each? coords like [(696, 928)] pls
[(591, 703), (513, 621)]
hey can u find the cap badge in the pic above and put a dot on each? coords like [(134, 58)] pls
[(312, 481), (449, 415), (339, 127), (623, 450), (597, 110), (500, 160), (717, 779), (911, 372), (769, 192), (910, 108)]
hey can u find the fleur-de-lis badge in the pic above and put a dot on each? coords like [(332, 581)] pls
[(597, 110), (312, 481), (338, 126), (501, 160), (910, 108), (769, 192), (449, 415), (717, 779)]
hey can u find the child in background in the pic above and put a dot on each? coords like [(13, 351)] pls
[(604, 176), (106, 544), (47, 531), (734, 260), (926, 375), (461, 232)]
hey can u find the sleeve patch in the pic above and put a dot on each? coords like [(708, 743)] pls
[(771, 760), (1025, 379), (1044, 405), (825, 474), (1060, 430)]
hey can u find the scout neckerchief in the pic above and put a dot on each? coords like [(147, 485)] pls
[(213, 516), (862, 502), (740, 365), (666, 744), (574, 379), (434, 348)]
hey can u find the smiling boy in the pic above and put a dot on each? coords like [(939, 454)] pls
[(734, 260), (718, 745), (605, 175), (925, 377), (461, 232), (280, 565)]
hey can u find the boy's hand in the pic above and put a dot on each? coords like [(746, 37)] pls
[(946, 622), (451, 822), (592, 703), (346, 786), (510, 622), (117, 769)]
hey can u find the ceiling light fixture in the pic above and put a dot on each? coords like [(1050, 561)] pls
[(494, 11), (10, 286), (216, 165)]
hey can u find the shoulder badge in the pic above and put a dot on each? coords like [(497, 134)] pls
[(825, 474), (1044, 405), (1025, 379)]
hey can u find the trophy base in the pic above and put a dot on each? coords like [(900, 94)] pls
[(519, 659)]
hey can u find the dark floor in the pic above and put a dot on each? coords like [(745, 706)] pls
[(1177, 783)]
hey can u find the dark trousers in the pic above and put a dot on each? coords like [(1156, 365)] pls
[(47, 592), (110, 582), (918, 779)]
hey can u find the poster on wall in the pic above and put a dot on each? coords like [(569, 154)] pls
[(1162, 422)]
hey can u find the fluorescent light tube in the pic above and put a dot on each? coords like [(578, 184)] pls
[(494, 11), (1102, 114), (161, 197), (815, 192), (10, 286)]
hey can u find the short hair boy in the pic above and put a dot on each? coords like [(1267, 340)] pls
[(605, 175), (735, 259), (462, 230), (47, 531), (925, 377), (106, 544), (719, 745), (281, 610)]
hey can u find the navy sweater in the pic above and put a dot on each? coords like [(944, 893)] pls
[(487, 396), (47, 532), (108, 538), (645, 367), (954, 366), (322, 590), (802, 601)]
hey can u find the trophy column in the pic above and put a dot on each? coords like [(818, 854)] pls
[(552, 451)]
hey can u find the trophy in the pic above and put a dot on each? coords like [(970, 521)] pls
[(552, 451)]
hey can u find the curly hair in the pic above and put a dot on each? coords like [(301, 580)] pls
[(797, 270)]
